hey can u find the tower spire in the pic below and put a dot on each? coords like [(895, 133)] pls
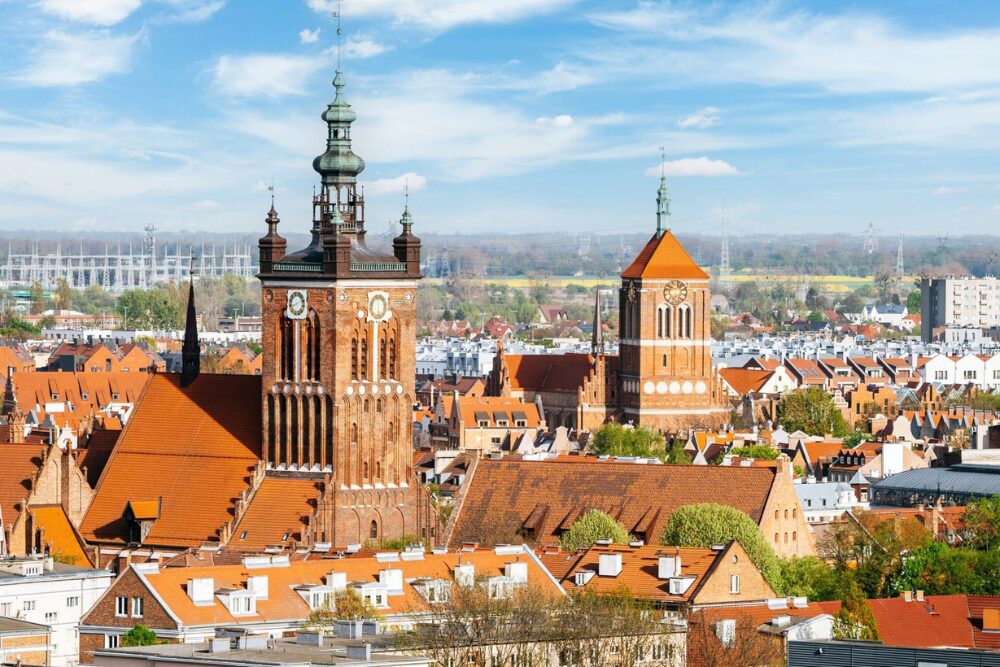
[(191, 352), (662, 200), (597, 338)]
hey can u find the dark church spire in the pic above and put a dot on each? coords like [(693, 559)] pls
[(191, 352), (597, 338)]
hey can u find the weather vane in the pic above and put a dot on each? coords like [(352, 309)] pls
[(336, 15), (663, 161)]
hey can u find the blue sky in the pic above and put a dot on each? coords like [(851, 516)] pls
[(514, 115)]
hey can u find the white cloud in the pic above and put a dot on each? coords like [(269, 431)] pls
[(563, 120), (271, 75), (560, 78), (359, 46), (206, 205), (701, 119), (438, 15), (694, 166), (383, 186), (307, 36), (996, 207), (67, 59), (193, 11), (947, 190), (96, 12), (766, 44)]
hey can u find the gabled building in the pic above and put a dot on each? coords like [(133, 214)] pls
[(491, 423)]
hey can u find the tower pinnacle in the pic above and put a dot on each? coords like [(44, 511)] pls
[(662, 200)]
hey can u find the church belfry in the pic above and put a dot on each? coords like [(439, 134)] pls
[(339, 338)]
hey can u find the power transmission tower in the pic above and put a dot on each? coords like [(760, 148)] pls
[(871, 241), (900, 270), (724, 268)]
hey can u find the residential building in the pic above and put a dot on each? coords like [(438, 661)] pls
[(39, 590), (739, 382), (510, 500), (491, 423), (958, 302), (826, 502), (23, 643)]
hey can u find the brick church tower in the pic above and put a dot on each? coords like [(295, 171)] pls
[(666, 379), (339, 341)]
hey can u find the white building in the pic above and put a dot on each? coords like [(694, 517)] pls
[(957, 303), (826, 502), (38, 590)]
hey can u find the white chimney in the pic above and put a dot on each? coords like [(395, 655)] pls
[(609, 565), (201, 591), (337, 580), (670, 566), (517, 572), (392, 579), (465, 575), (258, 586)]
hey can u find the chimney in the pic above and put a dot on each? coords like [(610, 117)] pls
[(257, 585), (465, 575), (609, 565), (201, 591), (906, 596), (920, 596), (517, 572), (392, 579), (670, 566)]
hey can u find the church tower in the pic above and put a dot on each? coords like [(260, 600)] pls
[(339, 338), (666, 379)]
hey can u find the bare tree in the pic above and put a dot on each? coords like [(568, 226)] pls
[(732, 642)]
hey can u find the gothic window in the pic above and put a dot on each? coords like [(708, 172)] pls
[(366, 471), (383, 351), (378, 471), (354, 358), (684, 321), (364, 358), (374, 530), (393, 371), (354, 434), (314, 345)]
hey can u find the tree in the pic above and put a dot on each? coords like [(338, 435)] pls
[(677, 454), (816, 317), (812, 411), (139, 635), (913, 302), (592, 526), (982, 523), (613, 439), (37, 296), (765, 452), (707, 524), (855, 619), (810, 577), (712, 645), (64, 295), (347, 605), (150, 309)]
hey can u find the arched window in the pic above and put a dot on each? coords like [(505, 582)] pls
[(684, 321), (378, 471), (374, 530), (393, 371), (383, 358), (364, 358), (366, 479), (314, 345), (354, 434), (354, 358)]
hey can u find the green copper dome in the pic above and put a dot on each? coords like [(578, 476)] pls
[(338, 164)]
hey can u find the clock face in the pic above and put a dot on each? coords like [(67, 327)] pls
[(297, 304), (675, 292), (378, 306), (630, 292)]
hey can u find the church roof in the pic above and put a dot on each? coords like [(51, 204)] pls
[(194, 447), (279, 508), (19, 464), (548, 372), (663, 256)]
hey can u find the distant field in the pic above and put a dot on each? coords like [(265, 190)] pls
[(831, 283)]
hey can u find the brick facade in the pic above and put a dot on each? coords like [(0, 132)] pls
[(783, 524), (719, 589), (95, 624)]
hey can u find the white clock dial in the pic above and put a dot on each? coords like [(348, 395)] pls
[(297, 304)]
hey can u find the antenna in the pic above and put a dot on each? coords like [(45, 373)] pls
[(336, 15), (663, 161), (270, 189), (871, 241)]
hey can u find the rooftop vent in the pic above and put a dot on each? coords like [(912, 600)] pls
[(609, 565)]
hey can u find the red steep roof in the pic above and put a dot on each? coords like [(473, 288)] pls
[(548, 372), (18, 465), (280, 507), (664, 257)]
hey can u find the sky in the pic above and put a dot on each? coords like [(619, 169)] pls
[(505, 115)]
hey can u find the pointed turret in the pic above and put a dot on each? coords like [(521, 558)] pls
[(597, 338), (272, 246), (9, 395), (406, 246), (662, 207), (191, 352)]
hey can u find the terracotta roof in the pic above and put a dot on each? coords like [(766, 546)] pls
[(940, 620), (77, 395), (145, 509), (492, 409), (548, 372), (59, 533), (462, 384), (501, 494), (284, 603), (278, 513), (19, 464), (817, 450), (640, 569), (745, 380), (664, 257), (94, 456), (193, 447)]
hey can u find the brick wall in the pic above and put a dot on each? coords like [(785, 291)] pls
[(717, 588)]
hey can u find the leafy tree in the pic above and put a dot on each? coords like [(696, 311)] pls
[(677, 454), (913, 302), (855, 619), (150, 309), (765, 452), (852, 303), (816, 317), (20, 329), (982, 523), (812, 411), (613, 439), (855, 438), (139, 635), (810, 577), (37, 296), (64, 295), (707, 524), (592, 526)]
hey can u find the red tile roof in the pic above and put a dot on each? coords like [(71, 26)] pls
[(59, 534), (548, 372), (280, 507), (940, 620), (193, 447), (502, 494), (745, 380), (664, 257), (18, 465)]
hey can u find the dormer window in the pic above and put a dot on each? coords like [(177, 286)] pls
[(243, 535), (284, 537)]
